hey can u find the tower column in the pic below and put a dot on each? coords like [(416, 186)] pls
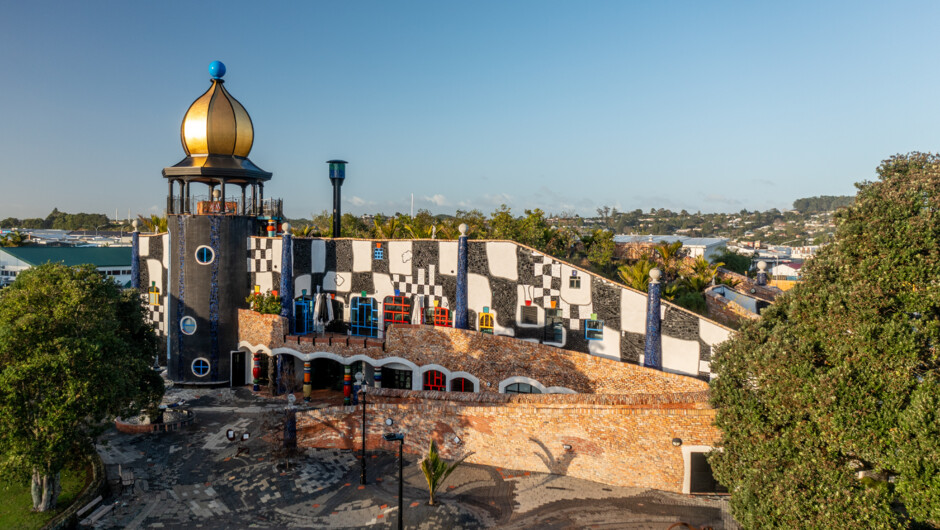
[(308, 387), (260, 198), (255, 371), (761, 273), (652, 353), (347, 385), (337, 177), (287, 278), (135, 256), (169, 198), (460, 311), (243, 201)]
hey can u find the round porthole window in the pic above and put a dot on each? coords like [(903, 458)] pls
[(201, 367), (188, 325), (204, 255)]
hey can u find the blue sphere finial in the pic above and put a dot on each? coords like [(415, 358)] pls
[(216, 69)]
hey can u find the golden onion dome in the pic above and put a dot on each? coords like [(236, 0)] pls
[(216, 123)]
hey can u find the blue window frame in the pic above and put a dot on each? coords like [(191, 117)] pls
[(201, 367), (594, 329), (204, 255), (378, 253), (303, 315), (364, 317)]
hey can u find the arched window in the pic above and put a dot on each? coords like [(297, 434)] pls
[(522, 388), (397, 310), (486, 321), (434, 380), (461, 385), (364, 317), (154, 294), (437, 316)]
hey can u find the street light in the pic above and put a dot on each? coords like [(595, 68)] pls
[(362, 467), (400, 438)]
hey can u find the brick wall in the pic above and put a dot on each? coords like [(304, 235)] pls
[(727, 311), (617, 440), (487, 357)]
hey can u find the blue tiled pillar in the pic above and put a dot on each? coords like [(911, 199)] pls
[(460, 312), (135, 257), (761, 273), (287, 278), (652, 353)]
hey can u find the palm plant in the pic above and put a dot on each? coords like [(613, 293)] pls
[(702, 268), (436, 469), (390, 228), (671, 257), (304, 231), (637, 275), (155, 223)]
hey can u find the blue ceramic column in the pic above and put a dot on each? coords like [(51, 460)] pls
[(761, 273), (460, 312), (287, 278), (652, 353), (135, 256)]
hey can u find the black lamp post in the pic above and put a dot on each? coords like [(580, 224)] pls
[(391, 437), (362, 390), (337, 177)]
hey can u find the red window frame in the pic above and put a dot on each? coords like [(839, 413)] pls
[(461, 384), (434, 380), (442, 317), (398, 308)]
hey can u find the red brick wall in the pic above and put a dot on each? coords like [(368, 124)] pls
[(618, 440), (490, 358)]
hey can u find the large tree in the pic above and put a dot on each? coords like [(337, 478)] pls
[(75, 351), (830, 404)]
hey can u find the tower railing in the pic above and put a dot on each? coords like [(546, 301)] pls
[(233, 205)]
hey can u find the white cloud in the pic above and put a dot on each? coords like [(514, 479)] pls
[(437, 200), (358, 201)]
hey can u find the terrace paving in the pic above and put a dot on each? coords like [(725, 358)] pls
[(194, 479)]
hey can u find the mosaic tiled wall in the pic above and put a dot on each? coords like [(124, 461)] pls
[(154, 264), (516, 285)]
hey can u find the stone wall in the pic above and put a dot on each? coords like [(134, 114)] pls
[(617, 440), (491, 359)]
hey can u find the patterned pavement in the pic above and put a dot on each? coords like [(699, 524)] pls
[(196, 479)]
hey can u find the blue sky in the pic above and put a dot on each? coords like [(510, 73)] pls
[(566, 106)]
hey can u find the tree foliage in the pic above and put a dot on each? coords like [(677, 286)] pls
[(822, 203), (74, 352), (733, 261), (841, 377)]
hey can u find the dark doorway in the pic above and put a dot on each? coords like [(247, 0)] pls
[(393, 378), (326, 373), (239, 358), (702, 480)]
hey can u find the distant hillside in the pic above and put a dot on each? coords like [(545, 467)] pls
[(823, 203)]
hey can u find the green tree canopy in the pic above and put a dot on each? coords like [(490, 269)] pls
[(75, 351), (841, 377)]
